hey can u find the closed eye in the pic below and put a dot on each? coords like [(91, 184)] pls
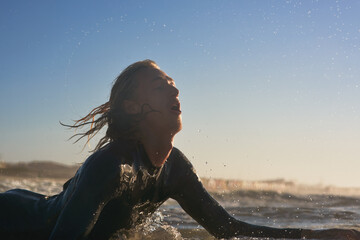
[(162, 86), (163, 82)]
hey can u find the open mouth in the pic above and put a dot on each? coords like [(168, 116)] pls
[(176, 107)]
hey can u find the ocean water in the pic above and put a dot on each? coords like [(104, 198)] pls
[(274, 204)]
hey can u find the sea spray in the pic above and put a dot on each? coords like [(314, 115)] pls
[(153, 229), (270, 203)]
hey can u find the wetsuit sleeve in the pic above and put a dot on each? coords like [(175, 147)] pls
[(83, 206), (196, 201)]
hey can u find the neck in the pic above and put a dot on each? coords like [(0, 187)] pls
[(158, 148)]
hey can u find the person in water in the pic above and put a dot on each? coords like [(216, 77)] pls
[(133, 170)]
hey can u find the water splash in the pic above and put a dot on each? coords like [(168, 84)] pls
[(152, 228)]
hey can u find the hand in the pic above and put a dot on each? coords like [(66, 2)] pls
[(336, 234)]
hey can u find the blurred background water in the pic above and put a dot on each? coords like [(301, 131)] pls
[(271, 203)]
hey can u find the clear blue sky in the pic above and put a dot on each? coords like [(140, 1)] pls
[(269, 89)]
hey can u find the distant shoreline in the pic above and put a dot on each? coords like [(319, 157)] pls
[(47, 170), (37, 169)]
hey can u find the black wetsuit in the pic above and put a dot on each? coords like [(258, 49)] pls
[(117, 188)]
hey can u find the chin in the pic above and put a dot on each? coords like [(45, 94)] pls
[(179, 124), (177, 128)]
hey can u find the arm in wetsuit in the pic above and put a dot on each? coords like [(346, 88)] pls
[(189, 192), (85, 199)]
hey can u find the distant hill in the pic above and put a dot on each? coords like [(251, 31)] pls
[(37, 169)]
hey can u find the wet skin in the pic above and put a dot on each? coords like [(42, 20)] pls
[(117, 188)]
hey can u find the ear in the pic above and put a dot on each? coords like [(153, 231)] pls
[(131, 107)]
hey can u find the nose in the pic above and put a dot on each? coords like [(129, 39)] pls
[(174, 91)]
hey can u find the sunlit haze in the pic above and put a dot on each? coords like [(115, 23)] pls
[(268, 89)]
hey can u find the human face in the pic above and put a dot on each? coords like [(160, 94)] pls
[(159, 98)]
